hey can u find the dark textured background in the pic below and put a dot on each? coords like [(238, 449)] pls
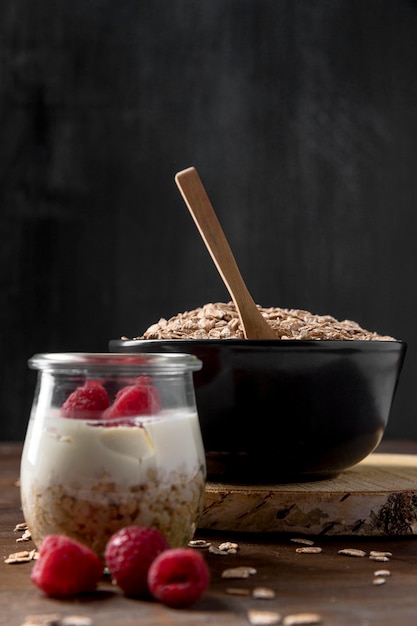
[(301, 118)]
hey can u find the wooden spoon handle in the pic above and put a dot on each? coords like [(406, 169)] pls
[(254, 324)]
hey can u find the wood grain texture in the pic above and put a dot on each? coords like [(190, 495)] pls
[(377, 497)]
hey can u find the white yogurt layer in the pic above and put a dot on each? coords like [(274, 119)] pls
[(70, 450)]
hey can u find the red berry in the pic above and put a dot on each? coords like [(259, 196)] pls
[(87, 401), (129, 554), (178, 577), (66, 567), (140, 399), (144, 380)]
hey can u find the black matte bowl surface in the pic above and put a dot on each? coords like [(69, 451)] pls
[(287, 410)]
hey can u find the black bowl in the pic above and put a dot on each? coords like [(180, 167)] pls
[(287, 410)]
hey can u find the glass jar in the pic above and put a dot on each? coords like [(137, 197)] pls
[(113, 440)]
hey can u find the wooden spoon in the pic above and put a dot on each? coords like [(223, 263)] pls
[(254, 324)]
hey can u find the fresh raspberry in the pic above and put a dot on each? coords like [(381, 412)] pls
[(178, 577), (144, 380), (66, 567), (87, 401), (129, 554), (139, 399)]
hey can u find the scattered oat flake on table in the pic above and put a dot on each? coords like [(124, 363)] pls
[(309, 550), (228, 545), (21, 526), (199, 543), (379, 580), (76, 620), (382, 572), (262, 618), (27, 536), (380, 553), (299, 619), (225, 548), (243, 571), (303, 541), (351, 552), (50, 619), (21, 557), (263, 593), (216, 550)]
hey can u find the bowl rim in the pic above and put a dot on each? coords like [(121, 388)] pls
[(318, 344)]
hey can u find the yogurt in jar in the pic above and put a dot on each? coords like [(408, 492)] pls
[(87, 479), (86, 476)]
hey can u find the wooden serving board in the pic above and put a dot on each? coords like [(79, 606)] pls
[(377, 497)]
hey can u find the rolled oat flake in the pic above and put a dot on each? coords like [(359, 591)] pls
[(298, 619), (263, 618), (47, 619), (76, 620)]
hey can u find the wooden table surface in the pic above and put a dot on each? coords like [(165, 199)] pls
[(338, 588)]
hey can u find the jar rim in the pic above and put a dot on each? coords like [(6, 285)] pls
[(154, 362)]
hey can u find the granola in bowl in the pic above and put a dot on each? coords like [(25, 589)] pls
[(221, 321)]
